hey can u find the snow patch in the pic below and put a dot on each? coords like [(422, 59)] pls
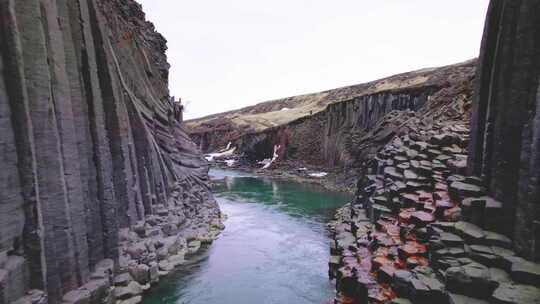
[(230, 162), (268, 163), (226, 152), (318, 174)]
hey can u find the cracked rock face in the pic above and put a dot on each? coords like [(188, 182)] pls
[(93, 161)]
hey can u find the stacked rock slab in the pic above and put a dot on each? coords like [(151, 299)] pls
[(421, 231), (505, 138), (97, 179)]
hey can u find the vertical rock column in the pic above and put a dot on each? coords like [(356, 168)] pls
[(88, 146), (505, 141)]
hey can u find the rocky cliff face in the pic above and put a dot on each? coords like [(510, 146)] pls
[(91, 151), (348, 126), (505, 145)]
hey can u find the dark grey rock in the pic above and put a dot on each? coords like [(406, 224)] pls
[(93, 146), (508, 293), (472, 280), (525, 272)]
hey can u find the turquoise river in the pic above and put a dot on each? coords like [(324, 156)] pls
[(274, 248)]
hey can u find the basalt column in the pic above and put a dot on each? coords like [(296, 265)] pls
[(90, 147), (505, 142)]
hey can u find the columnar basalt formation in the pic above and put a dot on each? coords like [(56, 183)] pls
[(505, 145), (445, 214), (421, 231), (321, 128), (96, 177)]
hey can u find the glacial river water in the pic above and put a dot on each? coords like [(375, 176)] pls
[(274, 248)]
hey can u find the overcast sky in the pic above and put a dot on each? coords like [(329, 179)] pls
[(230, 54)]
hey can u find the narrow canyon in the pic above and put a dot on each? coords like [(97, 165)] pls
[(423, 187)]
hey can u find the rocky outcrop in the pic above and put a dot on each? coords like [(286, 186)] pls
[(505, 145), (96, 177)]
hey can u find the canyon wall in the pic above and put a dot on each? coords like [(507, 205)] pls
[(334, 136), (325, 137), (90, 145), (505, 142)]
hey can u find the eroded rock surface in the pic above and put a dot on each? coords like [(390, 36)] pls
[(97, 179)]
